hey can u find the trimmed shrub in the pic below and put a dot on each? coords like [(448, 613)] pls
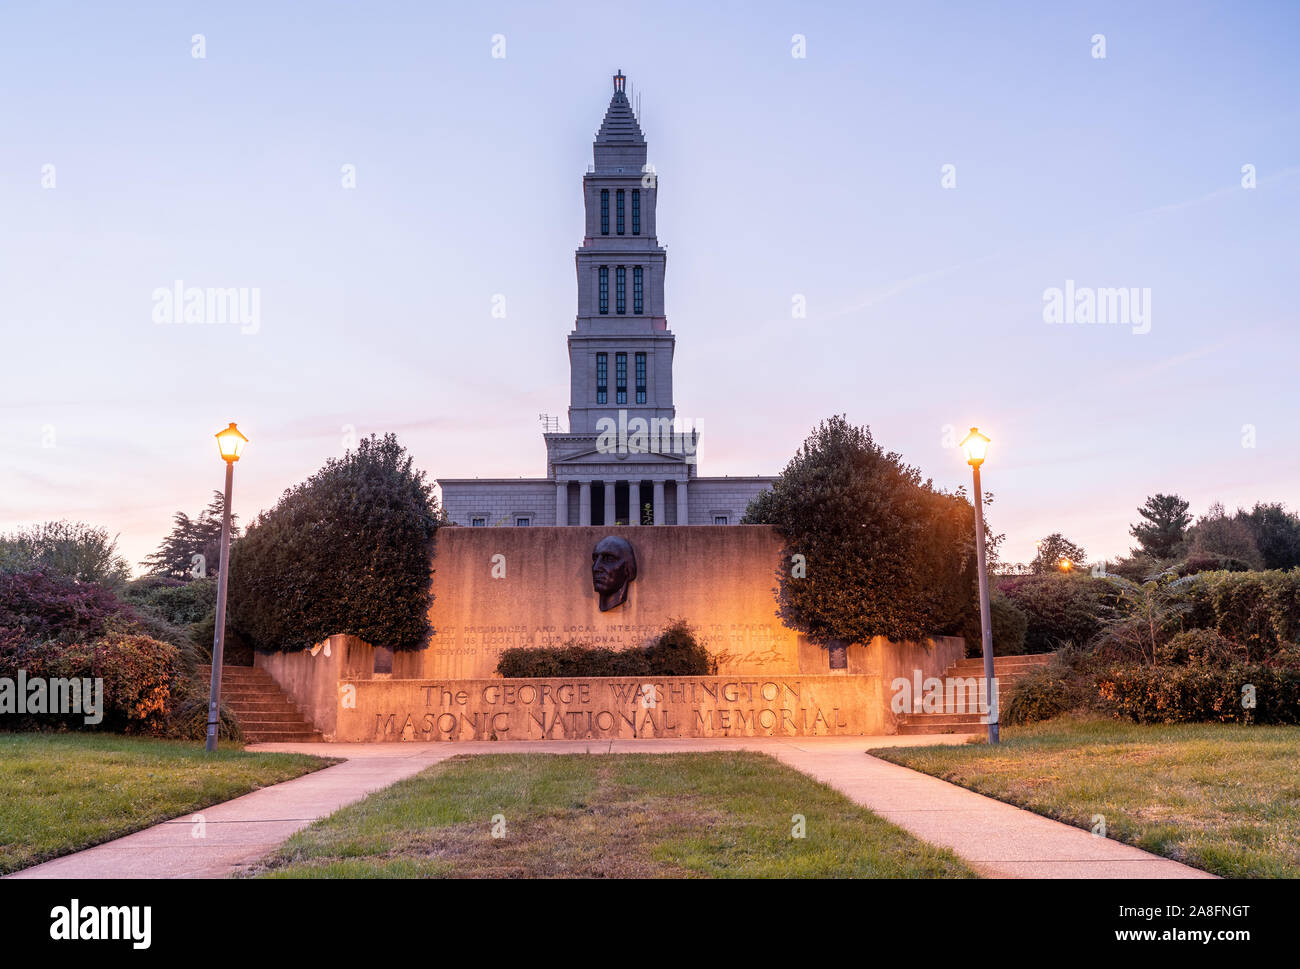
[(1059, 609), (886, 553), (677, 653), (674, 652), (139, 675), (179, 603), (1009, 628), (1185, 694), (1204, 648), (1259, 610), (572, 659), (349, 551)]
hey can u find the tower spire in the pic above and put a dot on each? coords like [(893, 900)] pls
[(619, 80)]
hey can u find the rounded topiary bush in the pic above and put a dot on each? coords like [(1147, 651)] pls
[(677, 653), (350, 550)]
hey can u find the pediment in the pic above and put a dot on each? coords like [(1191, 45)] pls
[(594, 456)]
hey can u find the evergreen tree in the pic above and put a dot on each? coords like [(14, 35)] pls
[(1165, 523), (190, 537), (869, 548), (350, 551)]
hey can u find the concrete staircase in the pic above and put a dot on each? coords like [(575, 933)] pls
[(264, 711), (1007, 670)]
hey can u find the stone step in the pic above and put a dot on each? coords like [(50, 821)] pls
[(250, 690), (1034, 659), (264, 712), (256, 718), (919, 729), (305, 735), (962, 717)]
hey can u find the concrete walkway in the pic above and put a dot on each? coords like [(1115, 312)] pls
[(995, 838)]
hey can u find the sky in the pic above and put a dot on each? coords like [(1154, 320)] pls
[(801, 151)]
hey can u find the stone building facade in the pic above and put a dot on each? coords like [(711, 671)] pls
[(625, 458)]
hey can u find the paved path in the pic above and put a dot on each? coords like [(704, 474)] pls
[(997, 839)]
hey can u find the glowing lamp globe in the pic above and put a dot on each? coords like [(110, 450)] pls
[(231, 443), (976, 445)]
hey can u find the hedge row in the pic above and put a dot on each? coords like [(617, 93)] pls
[(1182, 694), (139, 675), (1258, 610), (675, 652)]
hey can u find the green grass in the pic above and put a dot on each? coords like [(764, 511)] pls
[(1221, 797), (65, 792), (608, 816)]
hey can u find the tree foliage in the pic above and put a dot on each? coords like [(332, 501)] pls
[(1165, 521), (1216, 533), (347, 551), (79, 551), (1055, 549), (883, 553), (190, 537), (1277, 534)]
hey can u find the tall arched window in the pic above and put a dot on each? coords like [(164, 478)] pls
[(604, 289), (637, 289), (620, 290), (636, 211), (618, 209), (604, 211)]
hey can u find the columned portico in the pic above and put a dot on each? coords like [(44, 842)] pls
[(584, 503), (634, 502), (683, 509), (561, 502), (660, 518), (610, 491)]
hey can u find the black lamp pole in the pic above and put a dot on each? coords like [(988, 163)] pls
[(218, 644)]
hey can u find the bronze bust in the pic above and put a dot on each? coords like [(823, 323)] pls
[(613, 567)]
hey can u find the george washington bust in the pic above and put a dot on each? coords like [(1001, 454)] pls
[(613, 568)]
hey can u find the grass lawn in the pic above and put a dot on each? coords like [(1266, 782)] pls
[(1221, 797), (64, 792), (608, 816)]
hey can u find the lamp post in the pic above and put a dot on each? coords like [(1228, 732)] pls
[(977, 445), (230, 443)]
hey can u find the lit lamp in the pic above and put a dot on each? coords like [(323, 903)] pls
[(230, 443), (977, 446)]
